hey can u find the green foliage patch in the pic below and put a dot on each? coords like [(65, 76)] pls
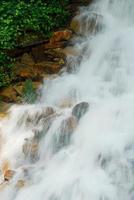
[(29, 93), (18, 17)]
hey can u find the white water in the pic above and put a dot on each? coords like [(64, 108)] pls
[(98, 164)]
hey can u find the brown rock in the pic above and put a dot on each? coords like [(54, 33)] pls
[(65, 131), (30, 149), (71, 51), (49, 67), (3, 115), (66, 103), (84, 24), (61, 36), (38, 53), (8, 175), (55, 45), (20, 184), (8, 94), (75, 25), (27, 59), (24, 71)]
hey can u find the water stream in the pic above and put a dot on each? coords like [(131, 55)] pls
[(57, 153)]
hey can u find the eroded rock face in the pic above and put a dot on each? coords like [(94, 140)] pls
[(80, 109), (30, 149), (63, 136), (86, 23), (20, 184), (41, 114), (8, 174), (61, 36), (8, 94), (27, 59)]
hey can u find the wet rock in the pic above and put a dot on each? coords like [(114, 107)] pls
[(61, 36), (71, 51), (65, 103), (3, 115), (37, 116), (63, 136), (75, 25), (24, 71), (45, 123), (49, 67), (80, 109), (27, 59), (8, 94), (38, 53), (8, 175), (30, 149), (86, 23), (20, 184), (4, 107)]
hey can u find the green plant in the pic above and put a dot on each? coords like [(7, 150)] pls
[(20, 17), (29, 93)]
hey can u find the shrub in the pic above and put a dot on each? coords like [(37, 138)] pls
[(19, 17), (29, 93)]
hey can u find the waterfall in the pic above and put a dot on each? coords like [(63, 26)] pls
[(77, 141)]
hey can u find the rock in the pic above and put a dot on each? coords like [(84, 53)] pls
[(19, 88), (20, 184), (24, 71), (38, 53), (40, 114), (60, 36), (27, 59), (75, 25), (46, 124), (3, 115), (84, 24), (30, 149), (63, 136), (55, 45), (49, 67), (80, 109), (8, 175), (65, 103), (71, 51), (8, 94), (4, 107)]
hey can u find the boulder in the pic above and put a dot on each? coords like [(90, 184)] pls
[(65, 103), (80, 109), (27, 59), (20, 184), (8, 94), (61, 36), (75, 25), (30, 149), (48, 67), (63, 135), (38, 115), (86, 23), (8, 174)]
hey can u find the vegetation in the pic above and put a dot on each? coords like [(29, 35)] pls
[(19, 17), (29, 92)]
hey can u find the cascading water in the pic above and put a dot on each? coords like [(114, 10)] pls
[(59, 151)]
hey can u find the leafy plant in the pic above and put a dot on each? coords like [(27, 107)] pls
[(17, 18), (29, 92)]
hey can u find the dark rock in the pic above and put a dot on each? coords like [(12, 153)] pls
[(80, 109), (64, 133)]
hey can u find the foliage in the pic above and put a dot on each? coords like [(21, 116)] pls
[(29, 92), (19, 17)]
